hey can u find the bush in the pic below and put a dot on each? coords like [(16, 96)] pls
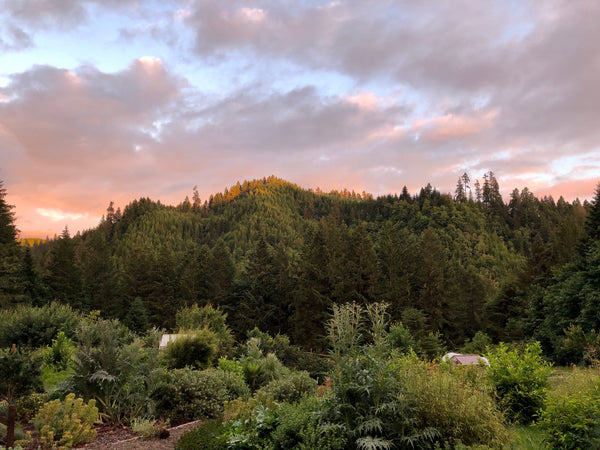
[(146, 428), (60, 353), (572, 415), (113, 368), (291, 387), (19, 374), (520, 379), (300, 427), (459, 407), (66, 424), (291, 356), (368, 400), (29, 405), (32, 327), (196, 318), (193, 394), (197, 348)]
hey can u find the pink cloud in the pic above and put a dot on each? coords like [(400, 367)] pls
[(451, 126)]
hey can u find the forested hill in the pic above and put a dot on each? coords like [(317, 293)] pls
[(276, 256)]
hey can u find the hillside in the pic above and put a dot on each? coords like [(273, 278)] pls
[(278, 257)]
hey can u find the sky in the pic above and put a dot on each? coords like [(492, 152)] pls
[(112, 100)]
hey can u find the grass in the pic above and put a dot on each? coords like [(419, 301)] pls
[(528, 438)]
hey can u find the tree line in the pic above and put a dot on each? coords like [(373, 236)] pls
[(278, 257)]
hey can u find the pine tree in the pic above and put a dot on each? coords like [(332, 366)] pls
[(11, 288), (64, 275), (593, 219)]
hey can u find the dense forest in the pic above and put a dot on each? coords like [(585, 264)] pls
[(451, 267)]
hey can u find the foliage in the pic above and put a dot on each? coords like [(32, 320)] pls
[(60, 353), (195, 394), (571, 418), (258, 369), (193, 348), (207, 436), (196, 318), (111, 367), (300, 426), (231, 365), (19, 374), (34, 327), (147, 428), (66, 424), (291, 387), (477, 345), (520, 378), (456, 401), (368, 399), (29, 405)]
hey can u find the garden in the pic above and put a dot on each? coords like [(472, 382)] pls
[(65, 376)]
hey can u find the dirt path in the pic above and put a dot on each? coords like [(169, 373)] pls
[(125, 441)]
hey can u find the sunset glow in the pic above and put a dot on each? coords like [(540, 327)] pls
[(106, 101)]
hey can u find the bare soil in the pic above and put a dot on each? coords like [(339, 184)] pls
[(123, 439)]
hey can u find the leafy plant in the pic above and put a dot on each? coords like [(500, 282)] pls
[(367, 399), (34, 327), (208, 436), (460, 408), (60, 353), (290, 387), (194, 394), (147, 428), (196, 318), (193, 348), (65, 424), (520, 379), (19, 374), (571, 418), (111, 367)]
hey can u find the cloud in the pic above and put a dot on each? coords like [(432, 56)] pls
[(344, 94), (13, 38), (56, 215)]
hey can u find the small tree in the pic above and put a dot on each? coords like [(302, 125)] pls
[(19, 375)]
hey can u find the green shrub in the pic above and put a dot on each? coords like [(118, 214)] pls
[(520, 379), (301, 427), (368, 399), (235, 384), (571, 418), (66, 424), (231, 365), (291, 356), (458, 408), (111, 367), (291, 387), (32, 327), (195, 348), (29, 405), (19, 374), (60, 353), (192, 394), (146, 428), (208, 436), (258, 369), (196, 318)]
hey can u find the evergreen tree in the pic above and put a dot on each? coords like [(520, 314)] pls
[(11, 289), (64, 277), (33, 287)]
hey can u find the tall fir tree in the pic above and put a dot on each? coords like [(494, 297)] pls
[(64, 277), (11, 287)]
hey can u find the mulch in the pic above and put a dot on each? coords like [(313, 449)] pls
[(122, 438)]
